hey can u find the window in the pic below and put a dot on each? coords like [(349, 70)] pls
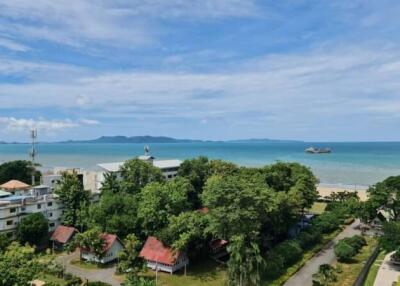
[(50, 214), (9, 222), (39, 206), (51, 224), (22, 209), (13, 210), (169, 176), (49, 204)]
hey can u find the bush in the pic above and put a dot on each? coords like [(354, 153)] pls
[(274, 265), (309, 238), (98, 283), (356, 241), (33, 229), (344, 251), (327, 222), (290, 250)]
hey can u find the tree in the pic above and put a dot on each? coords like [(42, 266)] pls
[(390, 240), (91, 240), (18, 170), (128, 259), (386, 195), (134, 280), (18, 265), (72, 196), (4, 242), (137, 173), (246, 263), (111, 184), (157, 202), (115, 213), (32, 229)]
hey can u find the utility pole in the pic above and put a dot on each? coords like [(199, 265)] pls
[(32, 153)]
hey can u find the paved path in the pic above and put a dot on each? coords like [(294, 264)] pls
[(104, 275), (387, 273), (304, 276)]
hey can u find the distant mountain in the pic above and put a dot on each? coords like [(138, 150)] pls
[(133, 139)]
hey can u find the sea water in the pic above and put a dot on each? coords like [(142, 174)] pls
[(349, 163)]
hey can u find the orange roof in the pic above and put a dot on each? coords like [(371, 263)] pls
[(14, 185), (63, 234), (155, 250), (204, 210)]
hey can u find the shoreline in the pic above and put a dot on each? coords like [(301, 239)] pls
[(325, 190)]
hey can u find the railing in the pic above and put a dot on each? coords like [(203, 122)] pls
[(364, 272)]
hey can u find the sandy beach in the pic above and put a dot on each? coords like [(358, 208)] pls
[(325, 191)]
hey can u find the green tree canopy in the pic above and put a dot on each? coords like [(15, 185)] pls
[(137, 173), (128, 259), (390, 240), (91, 240), (72, 196), (386, 195), (32, 229), (18, 170)]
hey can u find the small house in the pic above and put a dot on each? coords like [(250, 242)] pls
[(112, 246), (160, 257), (15, 187), (62, 235)]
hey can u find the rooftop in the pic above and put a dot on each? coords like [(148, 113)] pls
[(63, 234), (162, 164), (155, 250), (14, 185)]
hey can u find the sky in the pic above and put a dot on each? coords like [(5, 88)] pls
[(323, 70)]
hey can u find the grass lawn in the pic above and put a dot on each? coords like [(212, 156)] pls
[(306, 256), (351, 270), (317, 208), (87, 265), (200, 274), (373, 271), (50, 278)]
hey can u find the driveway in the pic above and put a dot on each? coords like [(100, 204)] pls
[(304, 276), (103, 275), (387, 273)]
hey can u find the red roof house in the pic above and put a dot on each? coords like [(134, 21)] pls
[(162, 257), (62, 235), (112, 246)]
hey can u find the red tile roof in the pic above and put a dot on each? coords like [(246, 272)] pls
[(204, 210), (63, 234), (155, 250), (14, 185)]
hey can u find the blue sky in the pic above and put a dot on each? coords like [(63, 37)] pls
[(207, 69)]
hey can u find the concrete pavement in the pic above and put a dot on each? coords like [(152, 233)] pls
[(304, 276), (103, 274), (387, 273)]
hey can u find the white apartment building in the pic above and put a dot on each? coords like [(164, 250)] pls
[(37, 199)]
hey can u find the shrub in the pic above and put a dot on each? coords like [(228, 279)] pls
[(98, 283), (327, 222), (274, 265), (290, 250), (356, 241), (309, 238), (344, 251)]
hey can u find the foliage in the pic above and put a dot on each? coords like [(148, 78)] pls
[(98, 283), (134, 280), (32, 229), (111, 184), (91, 240), (115, 213), (157, 202), (290, 251), (309, 237), (348, 247), (73, 197), (390, 240), (128, 259), (386, 195), (327, 222), (18, 170), (18, 265), (246, 263), (136, 174), (326, 274), (4, 242)]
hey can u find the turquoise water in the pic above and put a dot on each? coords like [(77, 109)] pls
[(349, 164)]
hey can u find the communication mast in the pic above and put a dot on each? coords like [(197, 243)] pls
[(33, 153)]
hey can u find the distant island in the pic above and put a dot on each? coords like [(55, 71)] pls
[(154, 139)]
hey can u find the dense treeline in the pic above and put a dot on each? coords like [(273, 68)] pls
[(252, 208)]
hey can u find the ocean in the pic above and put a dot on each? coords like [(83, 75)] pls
[(349, 164)]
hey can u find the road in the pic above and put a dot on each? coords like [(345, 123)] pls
[(104, 274), (304, 276), (387, 273)]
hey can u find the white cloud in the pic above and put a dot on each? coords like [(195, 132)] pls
[(25, 124), (12, 45), (114, 23)]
